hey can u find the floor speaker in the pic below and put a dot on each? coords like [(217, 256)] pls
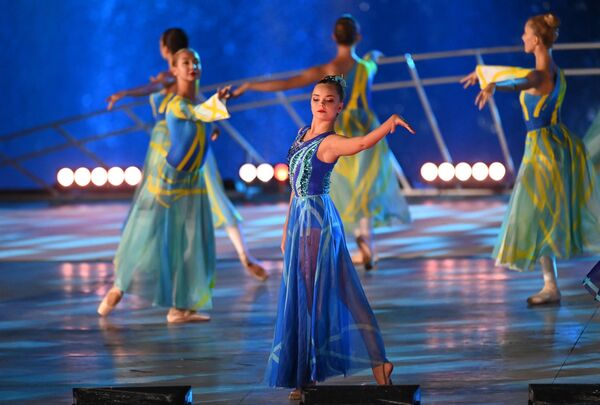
[(562, 394), (362, 394), (143, 395)]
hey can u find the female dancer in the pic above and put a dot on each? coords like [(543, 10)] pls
[(168, 242), (364, 185), (553, 210), (161, 90), (324, 326)]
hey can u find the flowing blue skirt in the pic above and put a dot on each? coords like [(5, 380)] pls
[(325, 326), (167, 249)]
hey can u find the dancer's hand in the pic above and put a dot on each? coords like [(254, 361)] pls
[(216, 132), (469, 80), (396, 120), (224, 93), (484, 95), (112, 99), (240, 90), (162, 77)]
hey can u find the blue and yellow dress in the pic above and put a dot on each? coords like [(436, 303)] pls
[(325, 325), (223, 211), (555, 204), (365, 185), (592, 142), (167, 250)]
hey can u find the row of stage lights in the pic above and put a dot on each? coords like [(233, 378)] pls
[(263, 172), (99, 177), (463, 172)]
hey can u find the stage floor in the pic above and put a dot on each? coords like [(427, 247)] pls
[(452, 321)]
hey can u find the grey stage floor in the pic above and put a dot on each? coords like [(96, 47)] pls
[(452, 321)]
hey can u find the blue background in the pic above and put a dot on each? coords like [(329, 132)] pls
[(62, 58)]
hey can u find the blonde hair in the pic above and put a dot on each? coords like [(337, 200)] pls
[(545, 27), (180, 52)]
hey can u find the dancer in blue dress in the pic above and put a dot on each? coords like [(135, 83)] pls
[(365, 188), (325, 325), (554, 209), (160, 90), (167, 250)]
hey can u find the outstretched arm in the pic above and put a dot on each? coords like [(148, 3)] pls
[(336, 146), (532, 80), (141, 91), (504, 78), (305, 78)]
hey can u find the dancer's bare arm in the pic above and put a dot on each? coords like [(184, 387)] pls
[(305, 78), (335, 146), (140, 91)]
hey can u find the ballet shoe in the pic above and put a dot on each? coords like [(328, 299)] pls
[(176, 315), (387, 368), (295, 395), (544, 298), (254, 269), (367, 255), (110, 301)]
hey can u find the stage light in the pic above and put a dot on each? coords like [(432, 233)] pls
[(247, 172), (281, 171), (446, 171), (480, 171), (82, 177), (116, 176), (65, 177), (133, 176), (497, 171), (429, 171), (463, 171), (264, 172), (99, 176)]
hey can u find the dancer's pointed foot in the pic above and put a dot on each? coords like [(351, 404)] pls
[(176, 315), (547, 296), (383, 373), (254, 268), (110, 301), (365, 250), (295, 395)]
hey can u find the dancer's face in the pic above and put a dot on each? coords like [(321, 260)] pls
[(325, 102), (187, 66), (529, 38)]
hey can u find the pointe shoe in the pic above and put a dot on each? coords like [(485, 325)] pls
[(544, 298), (366, 252), (295, 395), (254, 269), (176, 315), (110, 301)]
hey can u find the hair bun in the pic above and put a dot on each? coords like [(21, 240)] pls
[(552, 20)]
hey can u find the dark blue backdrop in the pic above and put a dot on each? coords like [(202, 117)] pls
[(62, 58)]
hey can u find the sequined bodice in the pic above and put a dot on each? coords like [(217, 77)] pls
[(308, 174), (543, 111)]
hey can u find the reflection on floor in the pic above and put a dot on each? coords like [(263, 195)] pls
[(452, 322)]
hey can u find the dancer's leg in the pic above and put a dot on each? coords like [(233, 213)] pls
[(549, 294), (364, 240), (252, 266)]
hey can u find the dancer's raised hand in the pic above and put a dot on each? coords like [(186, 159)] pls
[(113, 98), (398, 120), (484, 95), (224, 93), (469, 80)]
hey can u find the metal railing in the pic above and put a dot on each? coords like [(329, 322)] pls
[(287, 102)]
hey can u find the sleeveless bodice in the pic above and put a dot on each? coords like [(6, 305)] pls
[(308, 174)]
